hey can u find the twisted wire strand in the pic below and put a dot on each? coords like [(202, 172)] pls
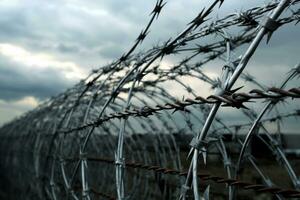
[(235, 100), (204, 176)]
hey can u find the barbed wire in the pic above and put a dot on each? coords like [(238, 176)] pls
[(235, 100), (138, 89), (204, 176)]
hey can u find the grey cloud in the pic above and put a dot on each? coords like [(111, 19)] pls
[(16, 82), (111, 51), (61, 30), (65, 48)]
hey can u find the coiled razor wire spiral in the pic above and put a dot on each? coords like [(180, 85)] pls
[(135, 129)]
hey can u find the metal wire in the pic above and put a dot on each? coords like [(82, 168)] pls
[(104, 137)]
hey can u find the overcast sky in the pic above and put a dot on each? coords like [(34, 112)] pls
[(48, 45)]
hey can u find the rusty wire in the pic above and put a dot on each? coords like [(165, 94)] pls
[(204, 176), (235, 100)]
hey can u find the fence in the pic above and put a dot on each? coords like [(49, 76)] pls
[(115, 134)]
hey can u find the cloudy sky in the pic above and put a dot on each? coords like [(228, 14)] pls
[(48, 45)]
